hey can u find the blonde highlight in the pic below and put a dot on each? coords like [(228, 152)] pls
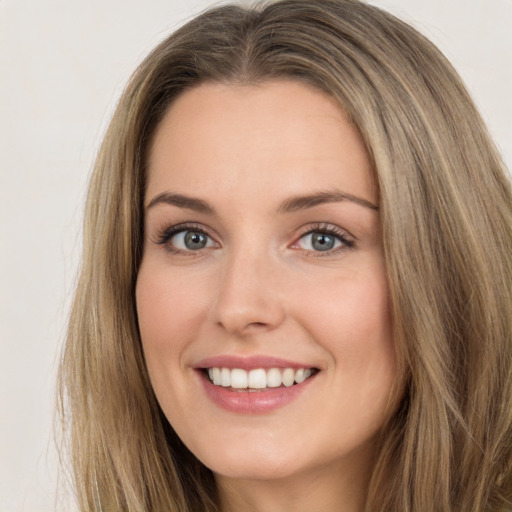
[(443, 192)]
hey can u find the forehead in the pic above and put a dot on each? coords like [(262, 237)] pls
[(219, 138)]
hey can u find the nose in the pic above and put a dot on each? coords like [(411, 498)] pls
[(248, 298)]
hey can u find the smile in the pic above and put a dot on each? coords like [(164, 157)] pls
[(259, 384), (259, 378)]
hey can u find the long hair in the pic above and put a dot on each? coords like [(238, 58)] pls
[(446, 213)]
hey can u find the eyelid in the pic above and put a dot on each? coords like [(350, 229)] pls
[(164, 235), (342, 235), (347, 240)]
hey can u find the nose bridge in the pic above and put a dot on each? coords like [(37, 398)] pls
[(247, 295)]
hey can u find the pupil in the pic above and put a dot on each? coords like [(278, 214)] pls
[(322, 242), (194, 240)]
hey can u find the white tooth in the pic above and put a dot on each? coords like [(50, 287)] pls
[(216, 376), (238, 378), (225, 377), (258, 379), (299, 376), (274, 378), (288, 377)]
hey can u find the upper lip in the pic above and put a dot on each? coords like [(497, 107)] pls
[(248, 362)]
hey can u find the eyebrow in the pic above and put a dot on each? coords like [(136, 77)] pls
[(335, 196), (182, 201), (291, 205)]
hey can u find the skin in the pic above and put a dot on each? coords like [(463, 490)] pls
[(259, 287)]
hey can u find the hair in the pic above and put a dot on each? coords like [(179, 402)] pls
[(446, 213)]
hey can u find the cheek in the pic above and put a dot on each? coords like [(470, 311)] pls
[(168, 310), (351, 320), (354, 310)]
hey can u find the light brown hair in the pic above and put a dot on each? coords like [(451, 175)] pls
[(446, 212)]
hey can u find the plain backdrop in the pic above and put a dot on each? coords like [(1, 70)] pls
[(63, 65)]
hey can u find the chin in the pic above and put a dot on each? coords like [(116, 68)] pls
[(252, 470), (267, 463)]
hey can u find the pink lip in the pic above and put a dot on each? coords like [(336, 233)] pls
[(250, 402), (247, 363)]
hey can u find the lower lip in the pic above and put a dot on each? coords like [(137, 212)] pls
[(252, 402)]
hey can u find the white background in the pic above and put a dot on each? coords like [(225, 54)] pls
[(63, 64)]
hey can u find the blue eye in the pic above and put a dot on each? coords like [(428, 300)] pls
[(190, 240), (185, 239), (318, 241), (323, 240)]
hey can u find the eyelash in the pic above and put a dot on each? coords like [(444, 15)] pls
[(331, 230), (167, 234)]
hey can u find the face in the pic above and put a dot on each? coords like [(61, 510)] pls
[(262, 296)]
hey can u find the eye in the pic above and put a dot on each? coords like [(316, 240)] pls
[(182, 239), (318, 241), (323, 240), (191, 240)]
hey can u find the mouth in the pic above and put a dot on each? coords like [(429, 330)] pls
[(257, 379), (257, 384)]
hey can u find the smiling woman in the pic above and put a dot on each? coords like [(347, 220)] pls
[(279, 294), (296, 289)]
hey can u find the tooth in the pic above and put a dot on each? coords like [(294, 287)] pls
[(216, 376), (258, 379), (299, 376), (238, 378), (274, 378), (225, 377), (288, 377)]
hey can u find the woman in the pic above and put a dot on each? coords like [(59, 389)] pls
[(296, 284)]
